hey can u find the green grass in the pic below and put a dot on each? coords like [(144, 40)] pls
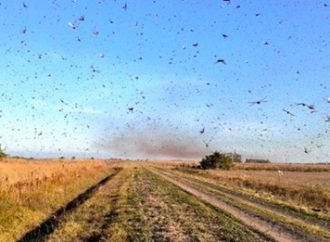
[(129, 223), (201, 221)]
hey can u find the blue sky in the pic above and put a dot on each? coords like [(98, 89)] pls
[(68, 83)]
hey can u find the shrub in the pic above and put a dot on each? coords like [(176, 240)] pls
[(217, 160)]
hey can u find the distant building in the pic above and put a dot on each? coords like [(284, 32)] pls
[(256, 161), (235, 157)]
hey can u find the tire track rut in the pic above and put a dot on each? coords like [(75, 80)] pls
[(269, 229), (49, 225), (322, 223), (308, 228)]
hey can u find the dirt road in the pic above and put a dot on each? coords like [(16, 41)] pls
[(143, 203), (271, 229)]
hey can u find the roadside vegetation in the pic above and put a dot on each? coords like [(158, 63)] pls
[(283, 167), (91, 220), (269, 210), (306, 192), (31, 191)]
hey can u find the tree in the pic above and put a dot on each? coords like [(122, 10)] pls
[(2, 154), (217, 160)]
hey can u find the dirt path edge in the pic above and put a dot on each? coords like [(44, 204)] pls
[(270, 230), (51, 223)]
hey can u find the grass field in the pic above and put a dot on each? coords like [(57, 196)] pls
[(160, 201), (306, 190), (31, 190)]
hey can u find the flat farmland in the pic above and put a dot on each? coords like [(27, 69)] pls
[(155, 201), (308, 189), (288, 178)]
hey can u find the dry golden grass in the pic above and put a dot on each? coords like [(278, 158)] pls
[(171, 163), (288, 178), (283, 167), (308, 190), (248, 166), (14, 171), (31, 190)]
